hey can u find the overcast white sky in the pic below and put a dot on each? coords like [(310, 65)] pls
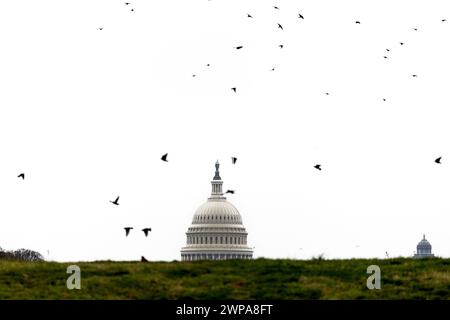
[(86, 114)]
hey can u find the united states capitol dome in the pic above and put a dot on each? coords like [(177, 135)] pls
[(217, 211), (216, 232)]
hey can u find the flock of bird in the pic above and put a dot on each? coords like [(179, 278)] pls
[(234, 89), (116, 201), (239, 47)]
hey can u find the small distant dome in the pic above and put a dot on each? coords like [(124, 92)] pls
[(423, 249), (424, 244)]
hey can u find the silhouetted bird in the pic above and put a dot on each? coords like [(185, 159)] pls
[(238, 47), (385, 57), (300, 16), (384, 99), (100, 28), (414, 75), (402, 43), (249, 16), (127, 230), (273, 69), (132, 9), (208, 65), (276, 7), (146, 230), (327, 93), (127, 3), (193, 76), (233, 160), (415, 29), (443, 20), (357, 22), (318, 166), (116, 202), (281, 46), (143, 259), (388, 50), (438, 160), (22, 175), (164, 157), (234, 89), (280, 26), (230, 191)]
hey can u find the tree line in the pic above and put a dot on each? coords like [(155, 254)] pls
[(21, 255)]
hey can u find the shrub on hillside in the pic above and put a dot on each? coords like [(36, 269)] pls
[(21, 255)]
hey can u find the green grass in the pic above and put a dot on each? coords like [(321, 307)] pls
[(232, 279)]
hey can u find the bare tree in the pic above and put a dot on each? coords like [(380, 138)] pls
[(21, 255)]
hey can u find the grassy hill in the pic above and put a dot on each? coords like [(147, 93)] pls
[(232, 279)]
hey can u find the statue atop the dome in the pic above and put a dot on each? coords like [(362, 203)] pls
[(217, 176)]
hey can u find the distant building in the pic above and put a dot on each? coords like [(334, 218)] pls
[(216, 232), (423, 249)]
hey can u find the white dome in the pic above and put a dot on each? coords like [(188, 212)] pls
[(216, 231), (424, 249), (217, 212), (424, 244)]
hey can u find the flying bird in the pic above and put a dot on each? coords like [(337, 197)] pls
[(194, 75), (388, 50), (443, 20), (127, 230), (238, 47), (100, 28), (276, 7), (233, 160), (249, 16), (300, 16), (402, 43), (280, 26), (438, 160), (281, 46), (384, 99), (132, 9), (127, 3), (385, 57), (146, 230), (230, 191), (116, 202), (22, 175), (318, 166), (164, 157), (143, 259), (234, 89), (273, 69), (208, 65), (415, 29), (357, 22), (414, 75), (327, 93)]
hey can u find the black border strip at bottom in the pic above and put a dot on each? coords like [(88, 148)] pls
[(232, 309)]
